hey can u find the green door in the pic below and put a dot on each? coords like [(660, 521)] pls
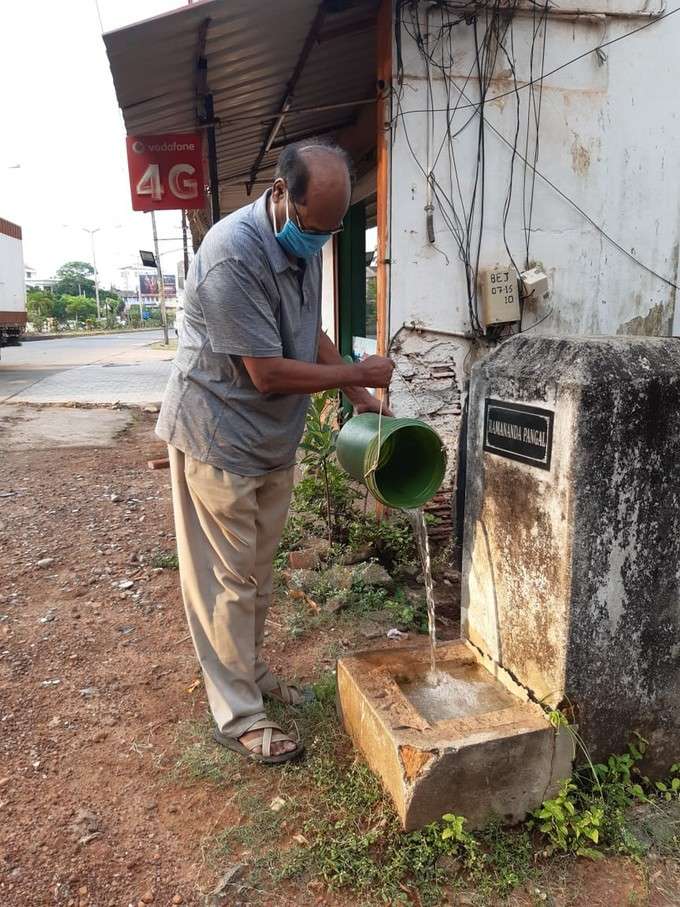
[(352, 279)]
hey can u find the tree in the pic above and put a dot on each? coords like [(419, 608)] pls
[(75, 279), (135, 315), (39, 306), (59, 309), (79, 308), (112, 304)]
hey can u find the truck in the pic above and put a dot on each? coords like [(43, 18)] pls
[(12, 285)]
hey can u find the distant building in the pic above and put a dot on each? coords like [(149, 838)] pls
[(33, 281)]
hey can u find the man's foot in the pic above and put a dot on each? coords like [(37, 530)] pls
[(264, 742), (252, 740)]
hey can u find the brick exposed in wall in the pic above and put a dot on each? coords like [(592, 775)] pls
[(427, 385)]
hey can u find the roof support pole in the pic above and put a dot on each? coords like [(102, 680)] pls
[(287, 99), (212, 159), (205, 115)]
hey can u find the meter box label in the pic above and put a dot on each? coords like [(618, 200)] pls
[(518, 432), (499, 296)]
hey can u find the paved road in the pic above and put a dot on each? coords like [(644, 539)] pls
[(101, 369)]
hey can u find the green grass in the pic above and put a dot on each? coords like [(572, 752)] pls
[(201, 759), (260, 832), (167, 560), (338, 827)]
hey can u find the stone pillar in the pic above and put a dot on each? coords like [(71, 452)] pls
[(572, 533)]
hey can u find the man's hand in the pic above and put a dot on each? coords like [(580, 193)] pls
[(376, 371), (372, 405)]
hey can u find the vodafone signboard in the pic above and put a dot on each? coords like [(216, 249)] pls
[(166, 171)]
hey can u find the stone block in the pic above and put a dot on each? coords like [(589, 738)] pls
[(571, 570), (305, 559), (476, 746)]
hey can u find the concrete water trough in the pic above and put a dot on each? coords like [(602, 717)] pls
[(474, 745)]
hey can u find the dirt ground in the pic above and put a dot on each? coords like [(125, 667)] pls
[(97, 680)]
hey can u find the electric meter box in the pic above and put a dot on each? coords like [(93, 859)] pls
[(499, 296), (534, 285)]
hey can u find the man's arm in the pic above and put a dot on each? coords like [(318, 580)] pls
[(359, 396), (277, 375)]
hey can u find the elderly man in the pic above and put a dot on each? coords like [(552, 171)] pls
[(251, 350)]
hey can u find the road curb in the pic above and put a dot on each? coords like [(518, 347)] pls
[(32, 338)]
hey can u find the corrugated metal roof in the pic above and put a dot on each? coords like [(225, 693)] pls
[(252, 50)]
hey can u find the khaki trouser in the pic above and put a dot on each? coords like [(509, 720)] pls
[(227, 529)]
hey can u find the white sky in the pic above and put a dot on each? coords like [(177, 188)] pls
[(61, 123)]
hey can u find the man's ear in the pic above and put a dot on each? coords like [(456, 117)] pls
[(278, 189)]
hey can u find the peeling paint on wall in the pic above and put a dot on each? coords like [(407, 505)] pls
[(658, 322), (580, 157)]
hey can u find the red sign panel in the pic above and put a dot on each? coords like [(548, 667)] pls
[(166, 171)]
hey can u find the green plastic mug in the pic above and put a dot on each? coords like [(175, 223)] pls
[(402, 464)]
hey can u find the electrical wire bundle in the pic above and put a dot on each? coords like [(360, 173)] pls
[(460, 199), (461, 203)]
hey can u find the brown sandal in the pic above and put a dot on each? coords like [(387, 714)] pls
[(271, 733), (290, 694)]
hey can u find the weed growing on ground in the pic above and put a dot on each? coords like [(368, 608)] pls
[(200, 759), (307, 613), (409, 612), (337, 826), (670, 789), (591, 813), (166, 560), (391, 540), (569, 825)]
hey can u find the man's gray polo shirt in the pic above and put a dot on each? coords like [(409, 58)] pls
[(243, 297)]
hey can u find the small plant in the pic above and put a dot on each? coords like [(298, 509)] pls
[(568, 826), (454, 832), (318, 444), (166, 560), (407, 613), (591, 811), (391, 539), (670, 789)]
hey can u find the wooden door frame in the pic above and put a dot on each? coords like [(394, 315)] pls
[(383, 134)]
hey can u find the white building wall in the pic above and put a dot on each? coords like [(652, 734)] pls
[(328, 290), (609, 139)]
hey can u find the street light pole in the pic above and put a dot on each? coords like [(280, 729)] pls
[(161, 286), (185, 245), (94, 265), (94, 260)]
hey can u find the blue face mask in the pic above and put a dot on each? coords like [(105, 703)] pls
[(297, 242)]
